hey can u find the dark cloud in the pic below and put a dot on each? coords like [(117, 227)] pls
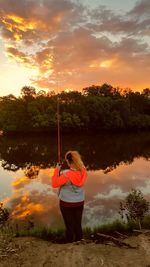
[(142, 8), (132, 23)]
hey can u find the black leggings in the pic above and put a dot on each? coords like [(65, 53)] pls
[(72, 218)]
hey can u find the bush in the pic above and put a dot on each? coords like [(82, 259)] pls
[(4, 215), (135, 207)]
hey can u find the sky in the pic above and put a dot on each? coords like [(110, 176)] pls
[(72, 44)]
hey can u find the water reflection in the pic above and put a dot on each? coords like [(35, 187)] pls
[(34, 199), (116, 164), (104, 192), (104, 152)]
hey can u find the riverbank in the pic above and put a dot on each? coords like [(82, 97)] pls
[(115, 228), (117, 244), (31, 251)]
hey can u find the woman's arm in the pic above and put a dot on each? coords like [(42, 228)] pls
[(58, 180)]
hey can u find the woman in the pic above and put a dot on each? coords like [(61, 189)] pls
[(71, 194)]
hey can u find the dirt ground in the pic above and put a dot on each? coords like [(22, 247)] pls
[(27, 251)]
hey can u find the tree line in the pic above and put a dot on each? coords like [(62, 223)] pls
[(96, 108)]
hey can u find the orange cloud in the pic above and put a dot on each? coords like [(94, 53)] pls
[(19, 56), (44, 60), (20, 182), (18, 25), (76, 46), (26, 208), (37, 203)]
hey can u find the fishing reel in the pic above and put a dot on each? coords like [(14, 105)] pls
[(61, 165)]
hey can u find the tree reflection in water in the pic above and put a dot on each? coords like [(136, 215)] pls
[(105, 151), (32, 171)]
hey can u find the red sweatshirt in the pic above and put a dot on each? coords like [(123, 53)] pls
[(76, 177)]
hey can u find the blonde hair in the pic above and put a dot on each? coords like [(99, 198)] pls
[(75, 158)]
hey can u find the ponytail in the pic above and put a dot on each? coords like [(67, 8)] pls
[(75, 158)]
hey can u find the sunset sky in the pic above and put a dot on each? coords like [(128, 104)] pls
[(71, 44)]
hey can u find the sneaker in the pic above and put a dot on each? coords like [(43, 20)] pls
[(82, 241)]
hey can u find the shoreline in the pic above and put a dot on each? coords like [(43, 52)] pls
[(116, 228)]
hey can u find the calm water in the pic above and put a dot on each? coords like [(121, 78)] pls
[(116, 163)]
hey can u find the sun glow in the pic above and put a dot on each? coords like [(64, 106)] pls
[(16, 19), (18, 58), (102, 64), (68, 90), (58, 18), (106, 64)]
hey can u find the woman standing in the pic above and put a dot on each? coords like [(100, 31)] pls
[(71, 194)]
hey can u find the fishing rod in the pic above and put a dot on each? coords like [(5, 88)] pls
[(58, 118), (58, 129)]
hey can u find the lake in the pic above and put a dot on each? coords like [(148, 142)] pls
[(116, 163)]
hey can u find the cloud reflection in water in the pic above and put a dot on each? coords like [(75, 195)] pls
[(35, 197)]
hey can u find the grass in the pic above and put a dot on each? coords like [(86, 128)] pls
[(58, 236), (110, 228), (43, 232)]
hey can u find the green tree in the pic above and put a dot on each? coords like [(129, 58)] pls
[(146, 92), (135, 207), (93, 90), (28, 92), (106, 90), (99, 107)]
